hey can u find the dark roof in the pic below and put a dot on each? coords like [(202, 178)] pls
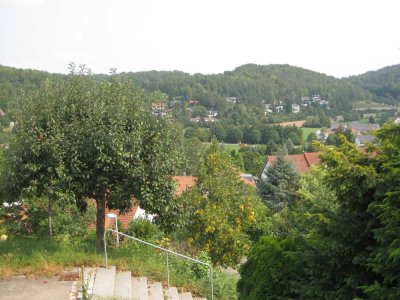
[(363, 126)]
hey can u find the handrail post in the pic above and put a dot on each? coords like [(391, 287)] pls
[(105, 248), (167, 271), (162, 249)]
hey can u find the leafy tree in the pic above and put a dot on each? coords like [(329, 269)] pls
[(252, 135), (312, 137), (253, 162), (202, 134), (96, 139), (234, 135), (271, 271), (221, 210), (315, 204), (193, 152), (218, 130), (335, 140), (199, 111), (278, 185), (34, 166), (349, 250)]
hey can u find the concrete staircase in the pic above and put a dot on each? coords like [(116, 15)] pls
[(110, 284)]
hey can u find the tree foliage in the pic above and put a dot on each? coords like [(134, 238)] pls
[(352, 251), (222, 211), (96, 139), (278, 184)]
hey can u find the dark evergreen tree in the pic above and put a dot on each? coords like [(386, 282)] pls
[(279, 186)]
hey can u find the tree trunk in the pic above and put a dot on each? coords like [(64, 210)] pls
[(100, 219)]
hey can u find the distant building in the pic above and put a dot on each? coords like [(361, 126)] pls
[(295, 108), (212, 113), (300, 162), (305, 99), (337, 126), (362, 128), (362, 139), (195, 120), (231, 99), (193, 102), (158, 108), (316, 98), (1, 112), (248, 178)]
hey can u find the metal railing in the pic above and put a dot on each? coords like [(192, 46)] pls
[(164, 250)]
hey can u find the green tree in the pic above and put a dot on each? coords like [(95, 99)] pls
[(349, 248), (34, 166), (98, 140), (278, 184), (253, 162), (221, 210)]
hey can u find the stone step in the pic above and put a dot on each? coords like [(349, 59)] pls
[(139, 288), (104, 282), (172, 293), (185, 296), (156, 291), (123, 286)]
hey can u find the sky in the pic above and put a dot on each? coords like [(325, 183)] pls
[(335, 37)]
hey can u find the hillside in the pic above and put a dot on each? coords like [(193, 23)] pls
[(13, 81), (252, 84), (384, 84)]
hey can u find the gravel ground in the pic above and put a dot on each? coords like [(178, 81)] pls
[(22, 288)]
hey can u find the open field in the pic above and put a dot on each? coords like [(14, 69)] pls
[(307, 131), (230, 147), (363, 105), (292, 123)]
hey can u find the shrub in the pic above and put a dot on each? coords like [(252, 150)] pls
[(142, 228)]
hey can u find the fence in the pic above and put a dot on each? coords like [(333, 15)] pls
[(164, 250)]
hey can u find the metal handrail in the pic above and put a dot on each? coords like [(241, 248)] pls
[(162, 249)]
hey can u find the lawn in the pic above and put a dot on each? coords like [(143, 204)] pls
[(230, 147), (363, 105), (307, 131)]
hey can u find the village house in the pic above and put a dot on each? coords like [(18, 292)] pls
[(361, 128), (362, 139), (301, 162), (295, 108)]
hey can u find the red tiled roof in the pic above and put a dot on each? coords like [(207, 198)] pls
[(245, 179), (301, 162), (183, 182), (124, 218)]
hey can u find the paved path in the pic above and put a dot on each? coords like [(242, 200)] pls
[(34, 289)]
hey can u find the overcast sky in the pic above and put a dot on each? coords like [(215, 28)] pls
[(336, 37)]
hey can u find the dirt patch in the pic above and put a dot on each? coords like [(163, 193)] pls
[(293, 123)]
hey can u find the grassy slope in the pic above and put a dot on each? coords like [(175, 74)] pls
[(35, 257), (307, 131)]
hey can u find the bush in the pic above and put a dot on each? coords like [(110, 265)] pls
[(142, 228)]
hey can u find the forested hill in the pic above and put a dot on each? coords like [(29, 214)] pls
[(252, 84), (384, 83), (13, 81)]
